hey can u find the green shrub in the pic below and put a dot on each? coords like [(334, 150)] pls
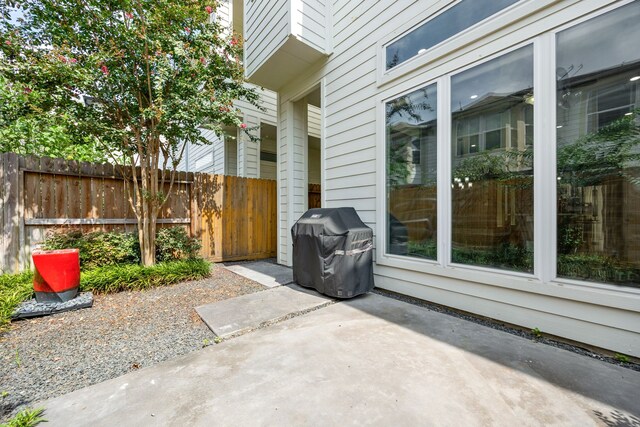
[(135, 277), (503, 256), (98, 248), (597, 268), (14, 288), (174, 244)]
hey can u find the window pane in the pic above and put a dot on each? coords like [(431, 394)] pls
[(412, 174), (492, 188), (598, 143), (452, 21)]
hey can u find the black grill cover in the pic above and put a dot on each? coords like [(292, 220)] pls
[(333, 252)]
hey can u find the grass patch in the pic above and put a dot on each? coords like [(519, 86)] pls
[(134, 277), (15, 288), (26, 418)]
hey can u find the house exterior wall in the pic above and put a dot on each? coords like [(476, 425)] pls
[(309, 22), (267, 27), (205, 158), (354, 88), (313, 114)]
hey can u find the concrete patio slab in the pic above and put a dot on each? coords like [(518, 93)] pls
[(367, 361), (266, 273), (235, 315)]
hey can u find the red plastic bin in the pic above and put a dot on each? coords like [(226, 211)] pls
[(57, 275)]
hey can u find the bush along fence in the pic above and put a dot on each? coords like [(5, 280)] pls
[(235, 218)]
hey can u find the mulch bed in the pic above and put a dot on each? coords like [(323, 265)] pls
[(50, 356)]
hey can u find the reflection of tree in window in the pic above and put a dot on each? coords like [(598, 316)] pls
[(598, 149), (412, 174), (492, 163)]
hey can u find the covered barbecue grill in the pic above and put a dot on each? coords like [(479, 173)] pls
[(333, 252)]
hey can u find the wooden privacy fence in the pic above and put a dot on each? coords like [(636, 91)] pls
[(315, 196), (235, 218)]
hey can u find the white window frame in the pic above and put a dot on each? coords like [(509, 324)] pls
[(543, 280)]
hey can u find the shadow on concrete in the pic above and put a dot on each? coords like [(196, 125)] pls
[(618, 419), (606, 383)]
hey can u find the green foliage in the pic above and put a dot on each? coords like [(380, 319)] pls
[(24, 131), (622, 358), (99, 248), (26, 418), (119, 278), (428, 249), (505, 256), (153, 72), (536, 333), (14, 288), (502, 165), (174, 244), (597, 268), (600, 154), (569, 238)]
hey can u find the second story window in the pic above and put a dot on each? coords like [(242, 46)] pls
[(464, 14)]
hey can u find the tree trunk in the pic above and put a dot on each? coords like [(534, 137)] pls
[(147, 238)]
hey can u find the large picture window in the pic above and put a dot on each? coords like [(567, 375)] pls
[(492, 163), (411, 158), (598, 148)]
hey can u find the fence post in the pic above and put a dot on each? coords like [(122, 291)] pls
[(3, 248), (11, 229)]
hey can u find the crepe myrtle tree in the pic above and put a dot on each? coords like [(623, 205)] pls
[(139, 76)]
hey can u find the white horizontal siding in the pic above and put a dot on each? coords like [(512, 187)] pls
[(309, 23), (266, 28), (223, 14), (207, 158), (267, 101), (313, 113)]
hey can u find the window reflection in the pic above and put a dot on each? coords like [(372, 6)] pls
[(412, 174), (458, 18), (492, 163), (598, 143)]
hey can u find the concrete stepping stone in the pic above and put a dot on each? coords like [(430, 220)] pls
[(237, 315), (266, 273)]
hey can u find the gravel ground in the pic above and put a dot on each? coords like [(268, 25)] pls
[(50, 356)]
